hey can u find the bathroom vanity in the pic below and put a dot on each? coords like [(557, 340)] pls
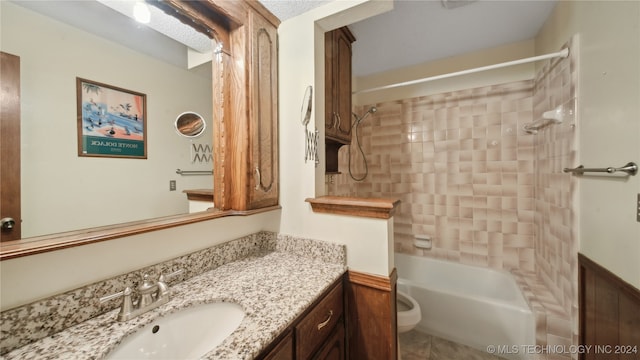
[(291, 292), (319, 332)]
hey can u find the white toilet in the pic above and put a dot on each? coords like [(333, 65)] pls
[(409, 314)]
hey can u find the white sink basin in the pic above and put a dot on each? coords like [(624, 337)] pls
[(186, 334)]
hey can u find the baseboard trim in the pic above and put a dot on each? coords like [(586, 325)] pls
[(373, 281)]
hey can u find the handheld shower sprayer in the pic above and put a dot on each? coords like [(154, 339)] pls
[(371, 110), (354, 126)]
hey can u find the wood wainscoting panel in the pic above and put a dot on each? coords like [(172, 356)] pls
[(609, 314), (371, 316)]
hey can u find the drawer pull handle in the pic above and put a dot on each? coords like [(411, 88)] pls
[(324, 323)]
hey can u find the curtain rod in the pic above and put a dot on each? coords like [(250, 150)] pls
[(563, 53)]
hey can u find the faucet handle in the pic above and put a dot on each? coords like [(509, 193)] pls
[(164, 278), (124, 293), (127, 304), (163, 288)]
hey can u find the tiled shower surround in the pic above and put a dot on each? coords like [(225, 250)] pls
[(463, 170), (487, 192)]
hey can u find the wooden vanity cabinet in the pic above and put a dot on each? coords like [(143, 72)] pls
[(317, 326), (334, 348), (283, 349), (319, 333)]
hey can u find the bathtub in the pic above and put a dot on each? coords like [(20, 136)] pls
[(470, 305)]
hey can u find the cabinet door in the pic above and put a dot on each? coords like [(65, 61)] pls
[(334, 348), (330, 118), (263, 122), (282, 351), (318, 324), (338, 111), (342, 73)]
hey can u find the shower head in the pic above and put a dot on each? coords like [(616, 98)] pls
[(371, 110)]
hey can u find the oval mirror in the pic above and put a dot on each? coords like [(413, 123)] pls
[(190, 124), (306, 106)]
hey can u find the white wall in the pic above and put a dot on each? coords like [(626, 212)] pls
[(34, 277), (369, 241), (301, 50), (609, 124), (61, 191), (509, 52)]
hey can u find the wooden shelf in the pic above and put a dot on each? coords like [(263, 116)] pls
[(379, 208), (199, 194), (41, 244)]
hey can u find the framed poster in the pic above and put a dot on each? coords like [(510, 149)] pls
[(112, 122)]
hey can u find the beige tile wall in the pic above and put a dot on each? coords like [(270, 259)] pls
[(556, 191), (556, 217), (463, 168), (486, 191)]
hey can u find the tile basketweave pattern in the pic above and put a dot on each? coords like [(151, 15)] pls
[(486, 191)]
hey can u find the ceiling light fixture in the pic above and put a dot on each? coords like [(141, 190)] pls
[(141, 12)]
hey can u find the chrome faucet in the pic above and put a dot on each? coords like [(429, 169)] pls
[(150, 296)]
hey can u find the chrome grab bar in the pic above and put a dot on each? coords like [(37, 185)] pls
[(194, 172), (630, 168)]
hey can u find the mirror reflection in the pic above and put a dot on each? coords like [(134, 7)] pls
[(190, 124), (62, 191)]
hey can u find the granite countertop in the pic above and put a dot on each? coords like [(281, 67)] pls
[(271, 294)]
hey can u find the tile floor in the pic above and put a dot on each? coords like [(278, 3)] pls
[(415, 345)]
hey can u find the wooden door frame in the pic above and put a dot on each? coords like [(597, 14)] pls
[(10, 144)]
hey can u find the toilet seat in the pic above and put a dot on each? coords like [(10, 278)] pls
[(408, 319)]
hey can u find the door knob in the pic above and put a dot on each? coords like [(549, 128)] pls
[(7, 223)]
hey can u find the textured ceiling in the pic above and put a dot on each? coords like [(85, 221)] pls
[(419, 31), (167, 25), (105, 22), (286, 9), (415, 31)]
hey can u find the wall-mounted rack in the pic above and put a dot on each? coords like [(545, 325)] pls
[(630, 168), (311, 146), (194, 172)]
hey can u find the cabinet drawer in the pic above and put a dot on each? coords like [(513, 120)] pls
[(318, 324)]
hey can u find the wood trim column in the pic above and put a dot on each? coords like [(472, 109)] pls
[(371, 316)]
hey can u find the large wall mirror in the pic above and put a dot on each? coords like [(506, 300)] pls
[(62, 191)]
